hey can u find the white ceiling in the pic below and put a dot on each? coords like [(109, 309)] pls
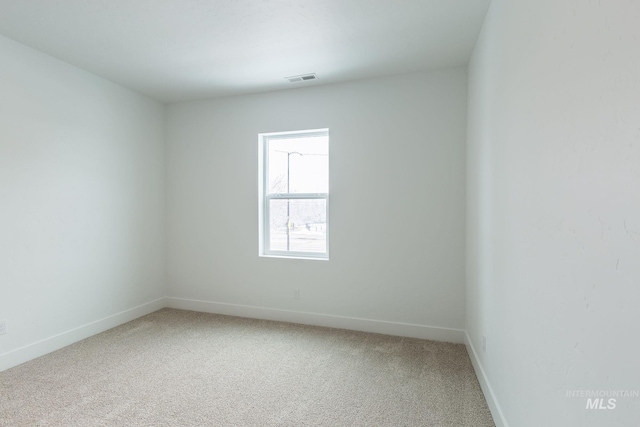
[(176, 50)]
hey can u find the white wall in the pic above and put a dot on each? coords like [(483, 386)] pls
[(554, 208), (397, 202), (81, 202)]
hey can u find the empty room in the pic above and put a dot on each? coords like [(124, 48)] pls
[(320, 213)]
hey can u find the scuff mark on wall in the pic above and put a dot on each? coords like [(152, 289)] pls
[(601, 227), (633, 235)]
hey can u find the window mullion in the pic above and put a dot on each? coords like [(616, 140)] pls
[(284, 196)]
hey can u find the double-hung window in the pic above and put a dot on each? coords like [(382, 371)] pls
[(294, 194)]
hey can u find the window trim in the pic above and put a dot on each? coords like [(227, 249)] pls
[(264, 196)]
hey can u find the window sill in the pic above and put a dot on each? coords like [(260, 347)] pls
[(312, 258)]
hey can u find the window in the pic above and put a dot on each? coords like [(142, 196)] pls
[(294, 194)]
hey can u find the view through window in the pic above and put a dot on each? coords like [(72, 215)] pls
[(295, 189)]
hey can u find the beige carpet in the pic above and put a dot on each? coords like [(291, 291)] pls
[(182, 368)]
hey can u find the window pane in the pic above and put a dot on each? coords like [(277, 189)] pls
[(307, 225), (298, 165)]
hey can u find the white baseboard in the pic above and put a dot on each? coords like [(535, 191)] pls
[(56, 342), (492, 401), (331, 321)]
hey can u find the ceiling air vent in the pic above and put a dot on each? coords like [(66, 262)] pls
[(302, 78)]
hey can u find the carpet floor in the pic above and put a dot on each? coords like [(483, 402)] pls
[(182, 368)]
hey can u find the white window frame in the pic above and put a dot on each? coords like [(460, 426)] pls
[(265, 197)]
